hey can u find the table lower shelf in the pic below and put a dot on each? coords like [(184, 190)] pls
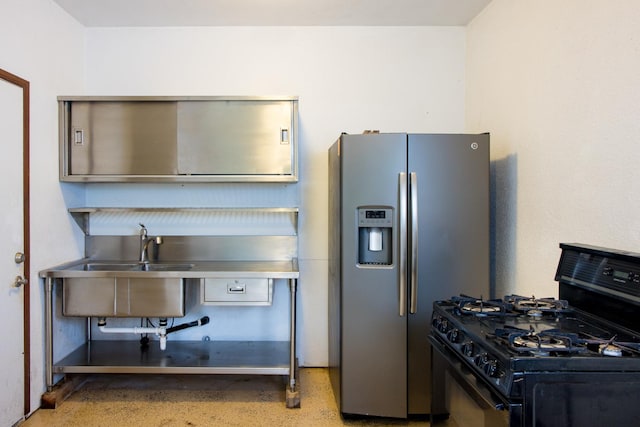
[(180, 357)]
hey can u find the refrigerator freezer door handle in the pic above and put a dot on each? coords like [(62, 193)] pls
[(402, 220), (413, 243)]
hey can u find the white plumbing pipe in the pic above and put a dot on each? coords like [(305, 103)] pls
[(160, 331), (132, 330)]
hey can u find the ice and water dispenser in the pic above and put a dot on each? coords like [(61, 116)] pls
[(375, 226)]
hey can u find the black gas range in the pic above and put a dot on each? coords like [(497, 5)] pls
[(527, 361)]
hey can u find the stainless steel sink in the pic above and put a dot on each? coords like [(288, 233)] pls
[(119, 266), (126, 289), (166, 267), (110, 267)]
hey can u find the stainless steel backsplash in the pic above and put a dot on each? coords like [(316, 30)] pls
[(195, 248)]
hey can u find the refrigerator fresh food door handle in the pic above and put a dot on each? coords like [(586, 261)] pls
[(402, 219), (413, 265)]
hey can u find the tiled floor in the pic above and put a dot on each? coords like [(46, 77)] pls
[(188, 400)]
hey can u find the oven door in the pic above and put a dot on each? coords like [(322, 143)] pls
[(462, 399)]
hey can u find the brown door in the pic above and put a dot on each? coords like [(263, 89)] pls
[(14, 248)]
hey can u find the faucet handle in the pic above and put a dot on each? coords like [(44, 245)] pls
[(143, 230)]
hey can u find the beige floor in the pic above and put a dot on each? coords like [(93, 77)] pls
[(187, 400)]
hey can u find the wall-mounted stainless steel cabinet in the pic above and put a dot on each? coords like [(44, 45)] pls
[(178, 139)]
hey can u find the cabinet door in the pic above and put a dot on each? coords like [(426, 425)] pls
[(235, 137), (122, 138)]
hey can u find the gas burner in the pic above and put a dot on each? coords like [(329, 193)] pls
[(536, 307), (613, 348), (478, 306), (549, 342), (610, 349), (541, 342)]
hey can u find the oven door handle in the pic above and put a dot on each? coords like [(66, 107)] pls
[(484, 397)]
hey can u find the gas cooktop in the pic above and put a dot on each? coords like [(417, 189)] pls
[(545, 357), (519, 326), (501, 338)]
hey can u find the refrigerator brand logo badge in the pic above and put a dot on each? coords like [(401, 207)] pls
[(474, 145)]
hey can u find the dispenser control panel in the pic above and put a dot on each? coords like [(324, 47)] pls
[(374, 217), (375, 236)]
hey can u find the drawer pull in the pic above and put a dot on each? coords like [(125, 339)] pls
[(236, 289)]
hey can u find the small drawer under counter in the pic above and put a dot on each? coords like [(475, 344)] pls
[(236, 291)]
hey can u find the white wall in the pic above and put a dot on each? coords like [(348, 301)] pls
[(557, 85), (348, 79), (42, 44)]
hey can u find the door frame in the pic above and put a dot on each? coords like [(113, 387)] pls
[(24, 85)]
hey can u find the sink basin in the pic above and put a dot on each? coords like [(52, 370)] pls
[(93, 266), (119, 266), (126, 289), (165, 267)]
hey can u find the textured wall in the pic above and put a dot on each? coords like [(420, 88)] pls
[(557, 85)]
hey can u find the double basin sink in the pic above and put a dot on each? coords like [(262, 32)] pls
[(127, 289), (100, 266)]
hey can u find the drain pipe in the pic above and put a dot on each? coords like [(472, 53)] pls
[(160, 331), (200, 322)]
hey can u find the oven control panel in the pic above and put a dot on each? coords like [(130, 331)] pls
[(621, 274), (606, 270)]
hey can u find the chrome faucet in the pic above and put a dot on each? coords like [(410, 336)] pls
[(145, 241)]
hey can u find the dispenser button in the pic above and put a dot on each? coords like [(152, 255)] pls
[(375, 239)]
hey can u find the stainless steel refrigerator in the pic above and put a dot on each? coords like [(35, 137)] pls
[(408, 224)]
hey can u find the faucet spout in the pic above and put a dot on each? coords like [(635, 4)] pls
[(145, 242)]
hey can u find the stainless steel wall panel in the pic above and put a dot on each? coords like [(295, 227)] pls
[(195, 248)]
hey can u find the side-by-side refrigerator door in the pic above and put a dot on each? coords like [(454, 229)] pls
[(449, 189), (374, 325)]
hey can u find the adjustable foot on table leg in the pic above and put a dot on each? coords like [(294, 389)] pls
[(61, 391), (293, 398)]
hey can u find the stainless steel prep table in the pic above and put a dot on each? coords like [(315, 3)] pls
[(182, 357)]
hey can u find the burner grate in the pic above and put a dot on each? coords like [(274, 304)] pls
[(480, 307), (613, 348), (537, 307), (549, 342)]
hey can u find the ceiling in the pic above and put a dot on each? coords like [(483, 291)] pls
[(182, 13)]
